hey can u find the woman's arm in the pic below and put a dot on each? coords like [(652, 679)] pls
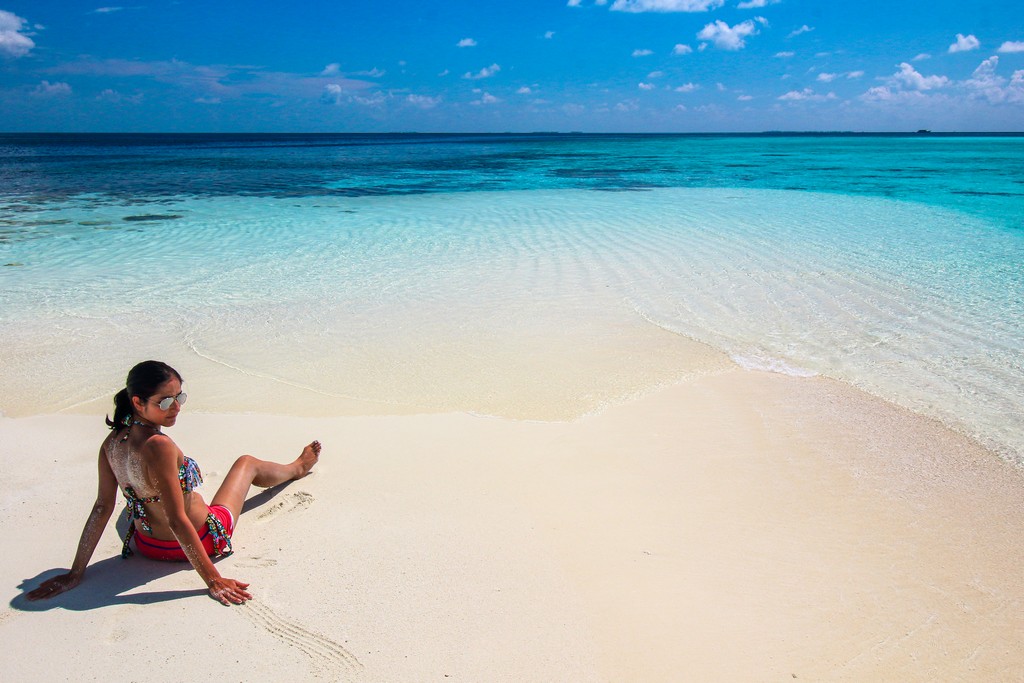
[(162, 456), (106, 499)]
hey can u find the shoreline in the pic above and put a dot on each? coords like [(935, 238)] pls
[(830, 534), (703, 359)]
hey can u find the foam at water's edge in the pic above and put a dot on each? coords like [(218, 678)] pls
[(768, 364)]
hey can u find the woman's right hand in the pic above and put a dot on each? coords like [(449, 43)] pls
[(229, 591), (55, 586)]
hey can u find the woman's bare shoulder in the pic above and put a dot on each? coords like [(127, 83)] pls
[(159, 446), (108, 442)]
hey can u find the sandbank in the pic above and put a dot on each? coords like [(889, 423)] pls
[(736, 526)]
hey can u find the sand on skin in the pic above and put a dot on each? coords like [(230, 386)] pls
[(740, 526)]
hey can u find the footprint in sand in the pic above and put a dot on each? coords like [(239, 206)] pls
[(296, 500), (328, 658)]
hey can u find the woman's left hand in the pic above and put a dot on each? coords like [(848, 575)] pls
[(55, 586)]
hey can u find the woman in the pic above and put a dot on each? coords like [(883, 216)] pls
[(169, 519)]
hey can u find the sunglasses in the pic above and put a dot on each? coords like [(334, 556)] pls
[(165, 403)]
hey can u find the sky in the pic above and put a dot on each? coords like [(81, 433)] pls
[(511, 66)]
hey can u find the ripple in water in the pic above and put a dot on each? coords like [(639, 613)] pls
[(534, 304)]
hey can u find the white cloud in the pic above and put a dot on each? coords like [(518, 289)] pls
[(728, 37), (215, 80), (574, 3), (681, 49), (13, 43), (549, 35), (985, 82), (907, 86), (376, 99), (525, 90), (855, 74), (486, 98), (687, 87), (423, 101), (805, 95), (207, 100), (107, 10), (110, 95), (985, 75), (645, 86), (372, 73), (331, 69), (827, 77), (745, 98), (877, 93), (47, 89), (785, 55), (467, 42), (642, 53), (803, 29), (485, 72), (332, 94), (1012, 46), (884, 93), (754, 4), (656, 74), (909, 77), (665, 5), (921, 57), (965, 43)]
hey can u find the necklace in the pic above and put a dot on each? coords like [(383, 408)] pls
[(131, 423)]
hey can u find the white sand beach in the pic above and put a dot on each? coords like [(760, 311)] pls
[(737, 526)]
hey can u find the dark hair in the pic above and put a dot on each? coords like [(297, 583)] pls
[(143, 381)]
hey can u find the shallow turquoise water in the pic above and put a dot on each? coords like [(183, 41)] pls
[(538, 277)]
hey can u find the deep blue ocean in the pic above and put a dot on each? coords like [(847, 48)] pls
[(529, 276)]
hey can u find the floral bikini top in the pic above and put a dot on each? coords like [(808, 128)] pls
[(189, 476)]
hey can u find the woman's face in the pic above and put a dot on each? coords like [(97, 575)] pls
[(149, 409)]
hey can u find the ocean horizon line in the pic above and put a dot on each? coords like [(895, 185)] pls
[(537, 133)]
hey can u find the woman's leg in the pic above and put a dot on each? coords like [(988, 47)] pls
[(248, 471)]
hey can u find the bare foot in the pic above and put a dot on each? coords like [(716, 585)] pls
[(310, 456)]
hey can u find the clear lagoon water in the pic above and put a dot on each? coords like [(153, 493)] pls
[(526, 276)]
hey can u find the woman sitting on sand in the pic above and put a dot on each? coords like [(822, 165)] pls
[(169, 519)]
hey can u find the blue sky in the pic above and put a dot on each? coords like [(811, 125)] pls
[(530, 65)]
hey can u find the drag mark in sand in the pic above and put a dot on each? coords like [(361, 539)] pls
[(257, 562), (292, 501), (327, 657)]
